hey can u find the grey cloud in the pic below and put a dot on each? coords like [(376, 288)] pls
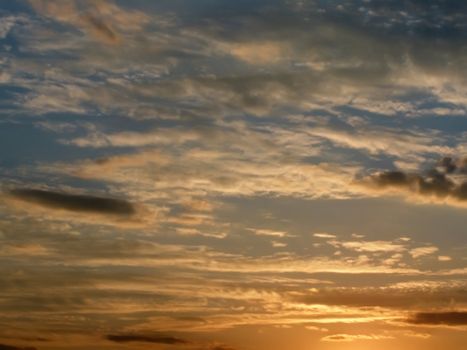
[(445, 181), (451, 165), (158, 339), (74, 202), (454, 318)]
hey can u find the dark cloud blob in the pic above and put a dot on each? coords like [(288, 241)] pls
[(440, 318), (157, 339), (438, 182), (74, 202), (11, 347), (451, 165)]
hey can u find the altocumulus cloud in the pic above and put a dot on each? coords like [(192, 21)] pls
[(74, 202)]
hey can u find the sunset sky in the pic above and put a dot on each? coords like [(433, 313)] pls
[(233, 175)]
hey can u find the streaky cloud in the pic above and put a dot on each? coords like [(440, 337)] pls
[(157, 339), (11, 347), (454, 318), (74, 202)]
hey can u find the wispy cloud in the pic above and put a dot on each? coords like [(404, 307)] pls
[(355, 337), (159, 339)]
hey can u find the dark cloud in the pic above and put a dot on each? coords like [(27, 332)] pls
[(11, 347), (455, 318), (451, 165), (74, 202), (158, 339), (446, 180)]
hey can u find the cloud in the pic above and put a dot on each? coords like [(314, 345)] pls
[(104, 20), (444, 184), (11, 347), (221, 347), (7, 23), (414, 334), (74, 202), (257, 53), (317, 329), (355, 337), (266, 232), (324, 235), (101, 28), (245, 166), (399, 296), (454, 318), (422, 251), (377, 140), (368, 246), (31, 249), (158, 339), (444, 258), (311, 71)]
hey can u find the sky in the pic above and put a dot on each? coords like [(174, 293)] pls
[(233, 175)]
